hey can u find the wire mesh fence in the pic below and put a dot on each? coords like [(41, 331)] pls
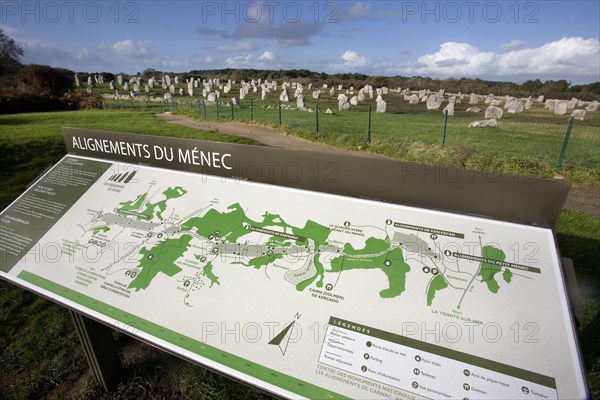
[(532, 136)]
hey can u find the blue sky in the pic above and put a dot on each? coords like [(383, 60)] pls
[(499, 40)]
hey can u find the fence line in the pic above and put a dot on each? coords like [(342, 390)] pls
[(551, 141)]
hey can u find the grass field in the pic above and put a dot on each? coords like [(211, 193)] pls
[(523, 143), (39, 352)]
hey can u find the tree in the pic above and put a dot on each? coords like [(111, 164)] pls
[(44, 80), (9, 48)]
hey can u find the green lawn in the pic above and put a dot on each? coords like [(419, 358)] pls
[(39, 352)]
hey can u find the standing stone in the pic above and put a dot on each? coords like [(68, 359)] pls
[(176, 80), (354, 100), (449, 108), (472, 98), (147, 88), (540, 99), (343, 103), (493, 112), (434, 102), (180, 91), (361, 96), (263, 94), (126, 87), (136, 88), (111, 85), (593, 106), (284, 96), (190, 88), (332, 92), (300, 101), (550, 104), (167, 80), (77, 81), (212, 98), (89, 81), (168, 96), (316, 94), (381, 106), (561, 108), (172, 89), (515, 106), (484, 123), (578, 114), (414, 99), (573, 103), (328, 111), (473, 109), (120, 80)]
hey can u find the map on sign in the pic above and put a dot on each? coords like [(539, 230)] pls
[(303, 293), (224, 233)]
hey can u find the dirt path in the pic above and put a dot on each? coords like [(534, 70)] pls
[(584, 198), (262, 134)]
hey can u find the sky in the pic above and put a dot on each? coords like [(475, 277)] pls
[(495, 40)]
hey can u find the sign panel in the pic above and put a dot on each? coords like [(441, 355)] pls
[(302, 294)]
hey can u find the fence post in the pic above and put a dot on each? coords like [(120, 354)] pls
[(279, 112), (563, 150), (199, 110), (317, 118), (369, 130), (251, 109), (444, 128), (117, 102), (217, 108), (232, 110), (204, 108)]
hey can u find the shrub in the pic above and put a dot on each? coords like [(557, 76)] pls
[(43, 80)]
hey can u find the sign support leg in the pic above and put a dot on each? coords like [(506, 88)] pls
[(100, 350)]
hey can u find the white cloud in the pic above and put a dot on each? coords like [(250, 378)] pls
[(513, 45), (242, 45), (238, 61), (351, 61), (267, 56), (129, 49), (567, 57)]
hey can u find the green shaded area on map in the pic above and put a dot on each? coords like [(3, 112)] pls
[(133, 205), (208, 272), (99, 229), (230, 225), (316, 235), (160, 258), (487, 271), (152, 210), (389, 261), (507, 275), (436, 284)]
